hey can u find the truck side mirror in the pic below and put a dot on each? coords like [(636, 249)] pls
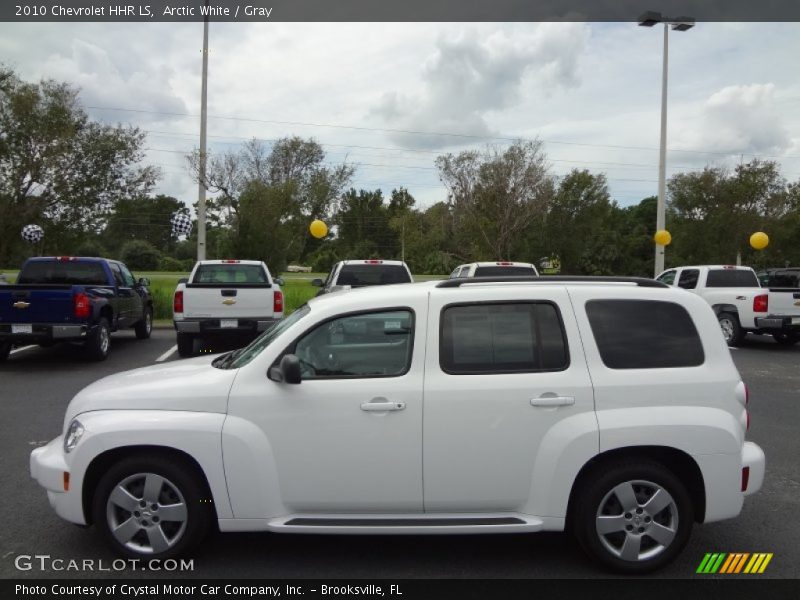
[(317, 282), (278, 280), (144, 282), (287, 372)]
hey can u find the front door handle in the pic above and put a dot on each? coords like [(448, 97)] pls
[(382, 406), (553, 401)]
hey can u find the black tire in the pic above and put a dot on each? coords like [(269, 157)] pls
[(5, 350), (731, 330), (144, 327), (597, 499), (181, 491), (786, 339), (185, 345), (98, 344)]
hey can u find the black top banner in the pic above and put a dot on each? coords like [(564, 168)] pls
[(396, 10)]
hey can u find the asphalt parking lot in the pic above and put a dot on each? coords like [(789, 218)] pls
[(37, 383)]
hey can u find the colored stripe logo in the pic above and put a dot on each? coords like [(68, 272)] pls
[(734, 563)]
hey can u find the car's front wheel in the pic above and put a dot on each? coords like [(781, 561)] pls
[(633, 517), (144, 327), (151, 507)]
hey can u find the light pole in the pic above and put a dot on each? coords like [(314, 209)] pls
[(201, 185), (649, 19)]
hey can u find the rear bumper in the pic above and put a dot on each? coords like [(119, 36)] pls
[(44, 332), (214, 326), (754, 460), (779, 323)]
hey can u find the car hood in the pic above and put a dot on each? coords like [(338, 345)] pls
[(191, 385)]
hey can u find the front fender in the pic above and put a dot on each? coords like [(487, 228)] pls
[(198, 434)]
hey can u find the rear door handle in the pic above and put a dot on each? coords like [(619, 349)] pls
[(553, 401), (382, 406)]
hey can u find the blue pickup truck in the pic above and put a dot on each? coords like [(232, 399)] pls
[(73, 299)]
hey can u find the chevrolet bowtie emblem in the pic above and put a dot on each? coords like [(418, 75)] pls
[(21, 304), (797, 303), (229, 301)]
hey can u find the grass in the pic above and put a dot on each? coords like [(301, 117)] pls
[(297, 289)]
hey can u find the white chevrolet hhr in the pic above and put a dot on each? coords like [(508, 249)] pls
[(610, 407)]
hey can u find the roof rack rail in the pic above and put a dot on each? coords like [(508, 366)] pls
[(639, 281)]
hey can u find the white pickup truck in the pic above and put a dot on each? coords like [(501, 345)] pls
[(224, 297), (742, 306)]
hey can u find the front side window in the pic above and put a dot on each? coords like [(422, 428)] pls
[(375, 344), (127, 276), (239, 358), (668, 277), (492, 338), (688, 279), (117, 274), (644, 334)]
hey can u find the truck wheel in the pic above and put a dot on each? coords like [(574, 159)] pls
[(144, 327), (99, 341), (633, 517), (5, 350), (786, 339), (731, 330), (151, 506), (185, 344)]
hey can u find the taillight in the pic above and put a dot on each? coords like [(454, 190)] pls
[(747, 413), (373, 261), (177, 302), (761, 303), (277, 302), (504, 263), (745, 478), (81, 307)]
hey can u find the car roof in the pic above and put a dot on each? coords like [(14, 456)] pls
[(728, 267), (498, 263), (369, 261), (228, 262)]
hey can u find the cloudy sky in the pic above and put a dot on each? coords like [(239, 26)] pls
[(390, 97)]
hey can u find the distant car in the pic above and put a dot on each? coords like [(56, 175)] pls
[(73, 299), (787, 277), (298, 269), (223, 298), (494, 269), (349, 274), (3, 279)]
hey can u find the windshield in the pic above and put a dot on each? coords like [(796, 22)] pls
[(503, 270), (733, 278), (241, 357), (361, 275), (63, 272)]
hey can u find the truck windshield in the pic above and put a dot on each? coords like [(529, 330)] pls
[(733, 278), (361, 275), (239, 358), (63, 272), (493, 271), (230, 273)]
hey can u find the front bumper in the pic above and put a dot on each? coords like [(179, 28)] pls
[(44, 332), (214, 326), (779, 323), (48, 466)]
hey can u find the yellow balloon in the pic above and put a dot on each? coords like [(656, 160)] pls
[(662, 237), (318, 229), (759, 240)]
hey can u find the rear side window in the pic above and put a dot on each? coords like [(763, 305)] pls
[(688, 279), (495, 271), (644, 334), (731, 278), (63, 272), (361, 275), (502, 338), (231, 274)]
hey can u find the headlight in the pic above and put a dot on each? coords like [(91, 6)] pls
[(73, 436)]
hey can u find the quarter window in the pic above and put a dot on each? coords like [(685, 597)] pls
[(644, 334), (502, 338), (361, 345)]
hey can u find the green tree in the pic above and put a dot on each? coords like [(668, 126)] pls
[(59, 169), (140, 255), (143, 218)]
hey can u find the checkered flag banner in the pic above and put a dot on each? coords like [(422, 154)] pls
[(33, 234), (181, 224)]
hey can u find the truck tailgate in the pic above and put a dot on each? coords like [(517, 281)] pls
[(32, 304), (227, 302), (785, 302)]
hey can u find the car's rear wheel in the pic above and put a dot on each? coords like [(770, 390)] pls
[(185, 344), (98, 343), (633, 517), (731, 330), (144, 327), (786, 339), (151, 507)]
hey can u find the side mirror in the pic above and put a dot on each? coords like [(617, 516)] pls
[(317, 282), (288, 371), (278, 280), (183, 280), (144, 281)]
